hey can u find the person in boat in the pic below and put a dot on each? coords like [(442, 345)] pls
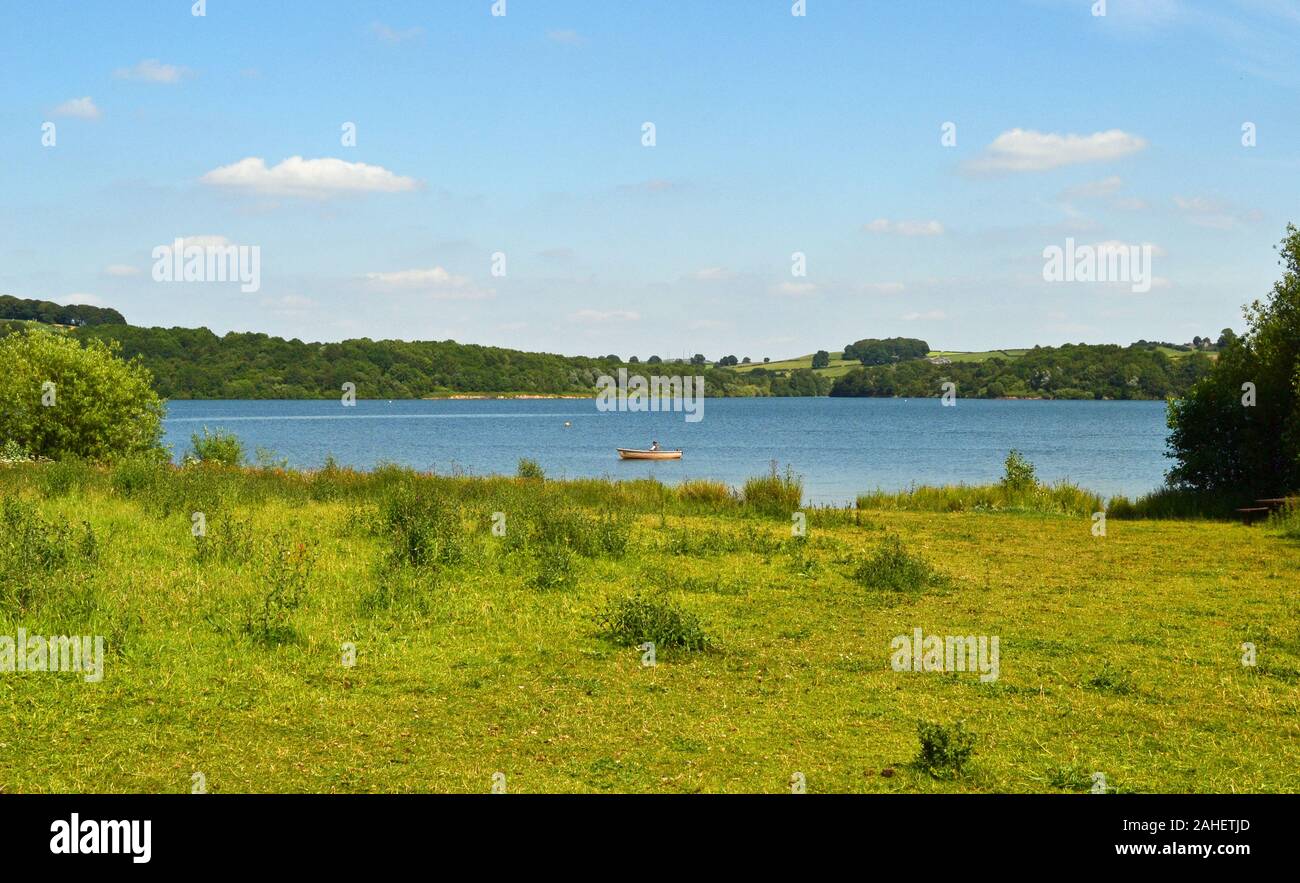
[(654, 446)]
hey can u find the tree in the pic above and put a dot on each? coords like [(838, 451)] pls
[(1226, 337), (821, 359), (745, 361), (1237, 431), (633, 360), (698, 359), (654, 360), (60, 399), (728, 361)]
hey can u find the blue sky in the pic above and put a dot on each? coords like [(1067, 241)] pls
[(775, 134)]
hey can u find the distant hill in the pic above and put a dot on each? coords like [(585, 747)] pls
[(51, 313), (195, 363)]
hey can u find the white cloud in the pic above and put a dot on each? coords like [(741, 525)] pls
[(931, 315), (83, 299), (122, 270), (1212, 214), (1024, 150), (884, 287), (151, 70), (599, 317), (905, 228), (393, 35), (712, 274), (80, 108), (310, 178), (434, 282), (795, 289), (1094, 189)]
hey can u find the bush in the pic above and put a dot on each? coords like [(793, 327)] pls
[(774, 494), (555, 568), (286, 568), (892, 568), (639, 618), (226, 539), (945, 750), (220, 448), (422, 533), (1019, 476), (530, 469), (39, 558), (61, 399)]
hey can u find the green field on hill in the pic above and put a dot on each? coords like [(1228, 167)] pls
[(520, 652)]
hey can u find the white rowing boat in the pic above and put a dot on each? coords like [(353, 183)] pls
[(631, 454)]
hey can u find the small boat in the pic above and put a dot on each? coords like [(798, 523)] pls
[(630, 454)]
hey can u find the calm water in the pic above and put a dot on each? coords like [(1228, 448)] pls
[(840, 446)]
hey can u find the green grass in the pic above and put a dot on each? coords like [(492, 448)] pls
[(837, 367), (1119, 654), (955, 356)]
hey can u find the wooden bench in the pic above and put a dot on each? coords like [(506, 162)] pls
[(1255, 513)]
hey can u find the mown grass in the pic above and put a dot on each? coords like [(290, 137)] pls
[(518, 652)]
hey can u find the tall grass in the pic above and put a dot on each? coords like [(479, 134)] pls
[(774, 493), (1178, 503), (1018, 491)]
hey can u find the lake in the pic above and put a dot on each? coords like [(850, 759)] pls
[(840, 446)]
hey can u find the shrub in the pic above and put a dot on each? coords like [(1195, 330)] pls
[(227, 539), (36, 555), (946, 750), (774, 494), (554, 568), (60, 399), (220, 448), (1019, 476), (12, 452), (422, 532), (638, 618), (286, 569), (892, 568), (530, 469)]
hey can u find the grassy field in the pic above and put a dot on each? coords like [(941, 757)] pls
[(838, 366), (479, 653)]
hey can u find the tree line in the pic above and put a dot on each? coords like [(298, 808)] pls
[(51, 313)]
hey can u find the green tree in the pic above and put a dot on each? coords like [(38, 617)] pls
[(1238, 429), (60, 399), (821, 359)]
